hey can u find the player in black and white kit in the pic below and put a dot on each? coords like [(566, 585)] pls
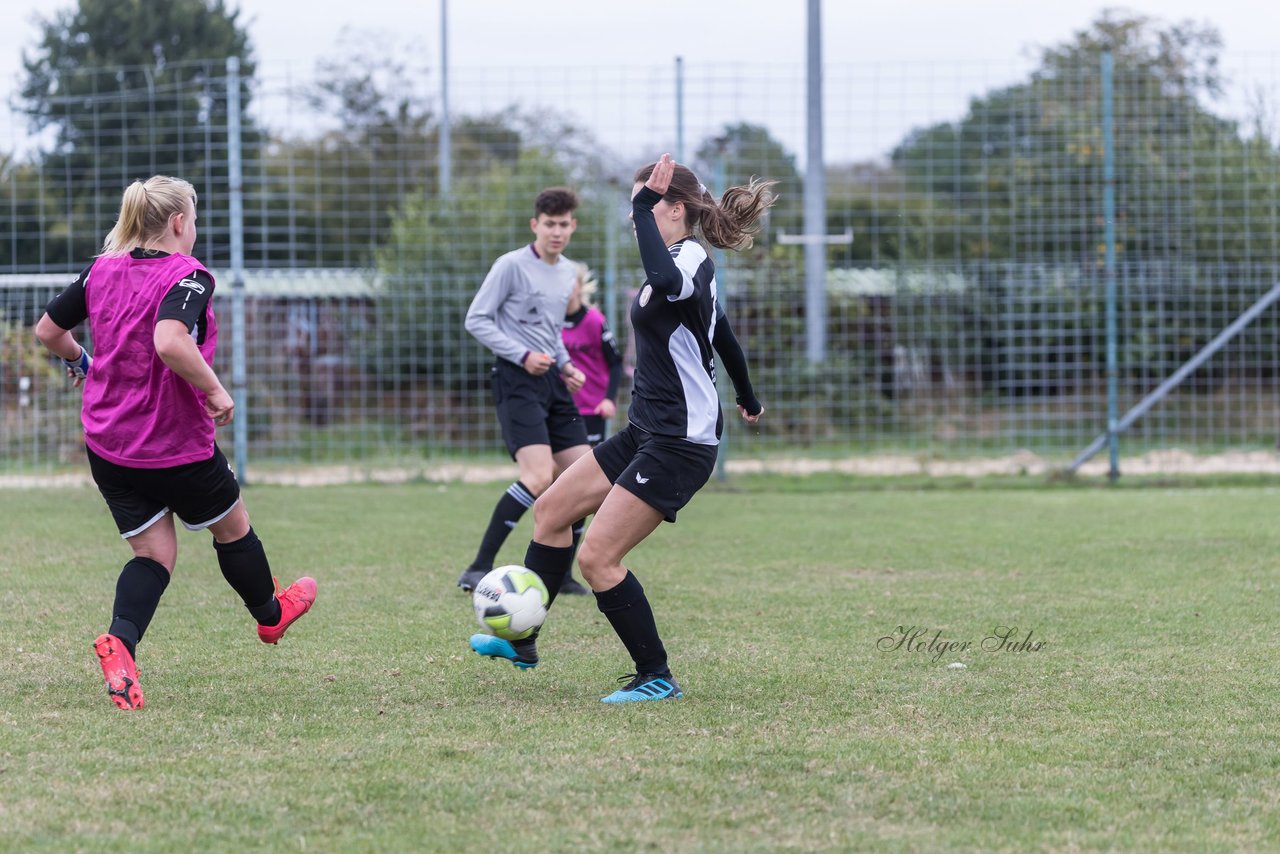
[(649, 470), (518, 314)]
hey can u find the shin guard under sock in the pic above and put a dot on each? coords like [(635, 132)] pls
[(551, 564), (628, 611), (506, 516), (244, 565), (138, 590)]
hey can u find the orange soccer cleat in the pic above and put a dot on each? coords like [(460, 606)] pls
[(120, 672), (295, 600)]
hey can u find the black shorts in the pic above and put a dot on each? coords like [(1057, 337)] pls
[(662, 471), (201, 494), (535, 410), (596, 425)]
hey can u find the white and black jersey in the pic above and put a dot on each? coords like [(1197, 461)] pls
[(673, 318)]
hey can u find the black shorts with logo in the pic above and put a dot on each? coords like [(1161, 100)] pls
[(662, 471), (200, 493), (535, 410)]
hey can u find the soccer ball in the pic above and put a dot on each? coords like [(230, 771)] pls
[(511, 602)]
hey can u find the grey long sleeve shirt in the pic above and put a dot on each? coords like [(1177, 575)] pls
[(519, 308)]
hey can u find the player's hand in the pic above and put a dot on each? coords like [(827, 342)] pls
[(660, 180), (538, 363), (573, 378), (220, 407), (78, 368), (606, 408), (751, 419)]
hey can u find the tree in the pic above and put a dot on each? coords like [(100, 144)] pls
[(132, 88), (439, 249), (1020, 181), (326, 198), (889, 224), (1024, 166), (744, 151)]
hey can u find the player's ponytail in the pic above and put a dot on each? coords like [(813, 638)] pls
[(731, 223), (145, 211), (735, 221)]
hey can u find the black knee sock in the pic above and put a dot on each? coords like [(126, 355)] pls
[(551, 563), (138, 590), (244, 566), (506, 515), (629, 613)]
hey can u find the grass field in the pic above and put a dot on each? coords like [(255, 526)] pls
[(1146, 720)]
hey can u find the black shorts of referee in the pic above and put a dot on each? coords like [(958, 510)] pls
[(662, 471), (200, 494), (535, 410)]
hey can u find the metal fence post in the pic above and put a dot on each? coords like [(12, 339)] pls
[(1109, 220), (815, 200), (680, 109), (235, 179), (445, 138)]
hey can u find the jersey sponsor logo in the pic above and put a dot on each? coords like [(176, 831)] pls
[(641, 480), (645, 294), (192, 284)]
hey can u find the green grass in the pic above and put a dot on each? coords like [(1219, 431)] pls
[(1146, 722)]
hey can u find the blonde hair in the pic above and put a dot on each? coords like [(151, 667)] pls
[(145, 212), (588, 281)]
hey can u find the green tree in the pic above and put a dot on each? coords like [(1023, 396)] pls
[(439, 249), (131, 88), (1019, 183), (744, 151), (1024, 166), (889, 224), (326, 198), (25, 209)]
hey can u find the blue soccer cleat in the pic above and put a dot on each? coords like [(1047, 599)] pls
[(525, 656), (646, 686)]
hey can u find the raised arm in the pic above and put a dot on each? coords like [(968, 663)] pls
[(660, 268)]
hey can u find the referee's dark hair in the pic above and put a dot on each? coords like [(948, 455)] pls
[(555, 201)]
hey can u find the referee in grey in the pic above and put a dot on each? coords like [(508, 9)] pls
[(518, 314)]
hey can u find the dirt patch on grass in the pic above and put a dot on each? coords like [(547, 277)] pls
[(1171, 462)]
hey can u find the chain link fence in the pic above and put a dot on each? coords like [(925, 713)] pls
[(966, 313)]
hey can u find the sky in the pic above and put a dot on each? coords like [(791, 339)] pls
[(290, 35)]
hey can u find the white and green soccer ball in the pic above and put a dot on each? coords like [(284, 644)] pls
[(511, 602)]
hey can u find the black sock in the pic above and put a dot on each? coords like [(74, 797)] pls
[(551, 564), (244, 566), (628, 611), (506, 515), (138, 590)]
